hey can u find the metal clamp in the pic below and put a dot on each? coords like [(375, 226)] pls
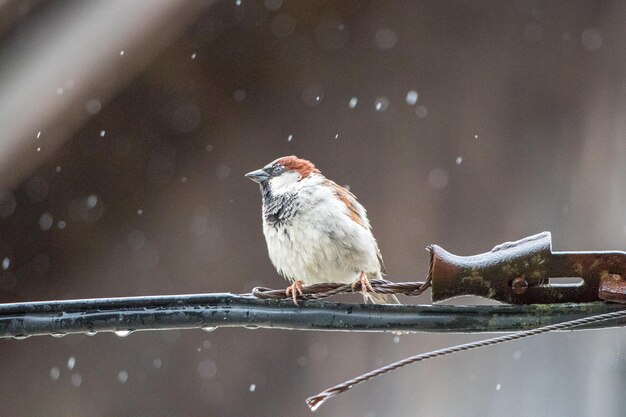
[(528, 272)]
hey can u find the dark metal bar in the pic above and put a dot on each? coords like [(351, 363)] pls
[(529, 272), (211, 311)]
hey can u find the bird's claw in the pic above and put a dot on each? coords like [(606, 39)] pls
[(365, 285), (294, 290)]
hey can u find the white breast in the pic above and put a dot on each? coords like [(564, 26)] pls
[(321, 243)]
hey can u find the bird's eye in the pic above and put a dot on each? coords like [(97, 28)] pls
[(277, 170)]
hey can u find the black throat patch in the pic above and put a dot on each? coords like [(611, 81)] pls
[(278, 208)]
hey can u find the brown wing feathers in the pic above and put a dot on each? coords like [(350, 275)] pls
[(349, 200)]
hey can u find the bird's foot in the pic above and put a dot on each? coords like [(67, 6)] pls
[(294, 290), (365, 286)]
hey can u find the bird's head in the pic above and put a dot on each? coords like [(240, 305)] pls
[(283, 173)]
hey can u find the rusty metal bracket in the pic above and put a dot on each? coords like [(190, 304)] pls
[(529, 272)]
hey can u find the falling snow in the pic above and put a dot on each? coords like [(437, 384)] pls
[(76, 380), (411, 98), (55, 373), (46, 221), (381, 104), (385, 38), (122, 376), (92, 200), (93, 106), (438, 178)]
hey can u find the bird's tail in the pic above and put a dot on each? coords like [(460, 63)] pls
[(376, 298)]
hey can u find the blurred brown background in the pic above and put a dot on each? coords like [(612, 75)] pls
[(126, 128)]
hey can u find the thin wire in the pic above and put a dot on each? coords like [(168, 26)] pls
[(317, 291), (316, 401)]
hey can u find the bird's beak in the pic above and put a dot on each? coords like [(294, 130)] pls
[(258, 176)]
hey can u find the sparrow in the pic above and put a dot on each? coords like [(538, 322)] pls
[(316, 231)]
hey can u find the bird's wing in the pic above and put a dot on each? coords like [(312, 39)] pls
[(355, 210), (383, 270), (357, 213)]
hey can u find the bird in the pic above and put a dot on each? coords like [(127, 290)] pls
[(316, 231)]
